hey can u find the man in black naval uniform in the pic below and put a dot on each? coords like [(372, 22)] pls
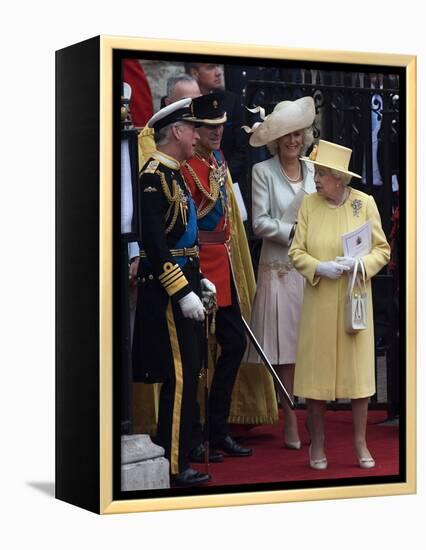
[(169, 311)]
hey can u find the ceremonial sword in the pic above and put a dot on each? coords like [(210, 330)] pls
[(267, 363)]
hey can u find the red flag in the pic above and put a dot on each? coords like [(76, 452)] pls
[(141, 105)]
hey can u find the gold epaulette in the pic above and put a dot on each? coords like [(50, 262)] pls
[(151, 167)]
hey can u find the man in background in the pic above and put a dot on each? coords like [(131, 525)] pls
[(234, 141), (181, 86)]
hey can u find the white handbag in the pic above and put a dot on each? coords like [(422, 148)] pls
[(356, 300)]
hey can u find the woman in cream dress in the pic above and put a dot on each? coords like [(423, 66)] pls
[(332, 363), (275, 184)]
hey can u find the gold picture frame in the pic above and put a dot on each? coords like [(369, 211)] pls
[(101, 498)]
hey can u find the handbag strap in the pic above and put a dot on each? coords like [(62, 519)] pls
[(358, 278), (362, 278)]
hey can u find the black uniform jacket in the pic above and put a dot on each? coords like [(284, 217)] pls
[(162, 200)]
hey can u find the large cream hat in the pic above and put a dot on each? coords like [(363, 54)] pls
[(332, 156), (287, 117)]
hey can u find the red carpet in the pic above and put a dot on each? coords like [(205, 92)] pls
[(271, 462)]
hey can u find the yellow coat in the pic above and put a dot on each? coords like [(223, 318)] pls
[(330, 362)]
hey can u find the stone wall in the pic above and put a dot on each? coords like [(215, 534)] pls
[(157, 73)]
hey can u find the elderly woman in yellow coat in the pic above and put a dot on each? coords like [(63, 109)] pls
[(332, 363)]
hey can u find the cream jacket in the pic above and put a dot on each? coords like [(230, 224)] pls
[(271, 195)]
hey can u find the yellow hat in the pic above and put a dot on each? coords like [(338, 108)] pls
[(332, 156)]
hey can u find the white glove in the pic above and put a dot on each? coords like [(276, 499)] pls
[(348, 261), (191, 307), (331, 269)]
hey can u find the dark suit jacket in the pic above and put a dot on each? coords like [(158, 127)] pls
[(235, 141)]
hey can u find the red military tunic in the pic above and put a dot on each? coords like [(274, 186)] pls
[(213, 223)]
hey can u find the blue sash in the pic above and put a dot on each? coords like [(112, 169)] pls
[(187, 240)]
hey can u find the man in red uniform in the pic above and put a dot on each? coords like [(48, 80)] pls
[(234, 141), (206, 174)]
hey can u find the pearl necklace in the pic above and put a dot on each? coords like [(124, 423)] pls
[(292, 180)]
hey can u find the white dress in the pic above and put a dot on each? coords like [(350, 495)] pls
[(279, 293)]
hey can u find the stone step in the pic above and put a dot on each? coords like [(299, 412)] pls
[(143, 465), (148, 474), (135, 448)]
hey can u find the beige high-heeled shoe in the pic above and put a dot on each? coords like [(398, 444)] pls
[(293, 445), (318, 464), (367, 462)]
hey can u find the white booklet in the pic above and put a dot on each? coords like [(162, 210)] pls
[(357, 243), (290, 214)]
